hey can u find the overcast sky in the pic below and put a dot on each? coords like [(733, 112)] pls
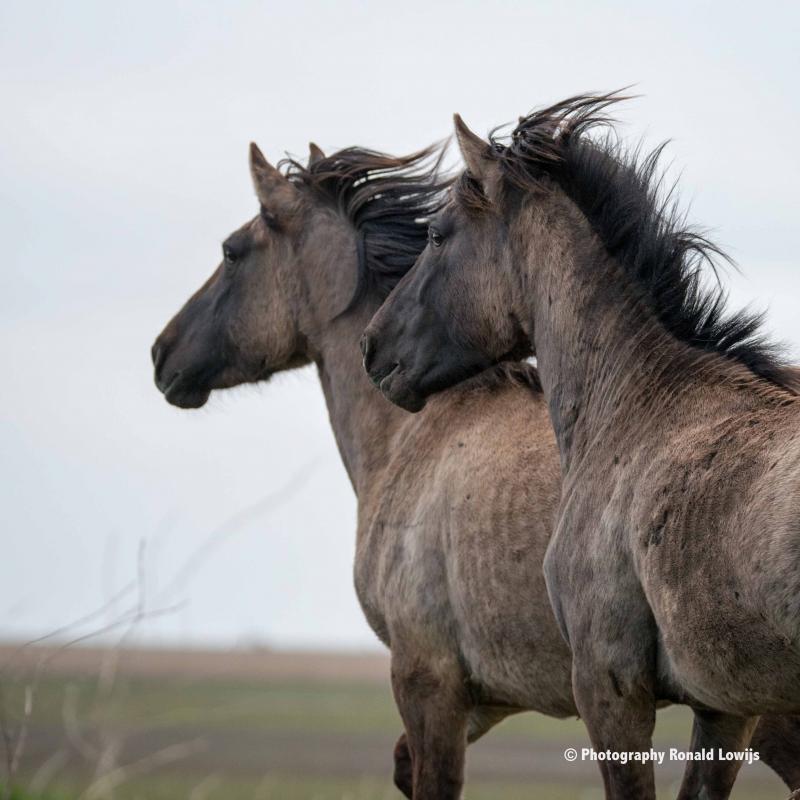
[(123, 164)]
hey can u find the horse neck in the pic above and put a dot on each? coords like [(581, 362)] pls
[(601, 353), (363, 421)]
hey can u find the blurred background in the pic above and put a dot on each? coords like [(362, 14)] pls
[(221, 541)]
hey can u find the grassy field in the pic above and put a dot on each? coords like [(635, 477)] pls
[(275, 727)]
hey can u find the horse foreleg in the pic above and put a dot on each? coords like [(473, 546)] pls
[(713, 780), (435, 708), (480, 721), (777, 741), (618, 709)]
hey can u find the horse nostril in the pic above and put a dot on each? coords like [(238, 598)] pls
[(366, 349), (155, 352)]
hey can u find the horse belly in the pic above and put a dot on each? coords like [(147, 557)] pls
[(508, 636), (517, 666)]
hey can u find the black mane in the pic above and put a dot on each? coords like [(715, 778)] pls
[(389, 201), (619, 191)]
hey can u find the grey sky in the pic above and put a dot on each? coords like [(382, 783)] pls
[(123, 165)]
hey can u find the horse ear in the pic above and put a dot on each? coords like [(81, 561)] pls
[(315, 154), (272, 188), (476, 152)]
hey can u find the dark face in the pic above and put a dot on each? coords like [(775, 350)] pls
[(451, 315), (243, 324), (239, 327)]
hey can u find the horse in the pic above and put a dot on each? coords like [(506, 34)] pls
[(673, 568), (451, 533)]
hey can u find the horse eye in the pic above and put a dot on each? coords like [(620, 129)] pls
[(228, 254), (434, 237), (269, 219)]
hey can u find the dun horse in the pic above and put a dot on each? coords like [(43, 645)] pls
[(673, 570), (455, 506), (451, 532)]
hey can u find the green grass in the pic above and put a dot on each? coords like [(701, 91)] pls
[(335, 707), (254, 717), (19, 793), (172, 787)]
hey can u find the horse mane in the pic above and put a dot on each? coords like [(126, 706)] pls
[(389, 201), (619, 190)]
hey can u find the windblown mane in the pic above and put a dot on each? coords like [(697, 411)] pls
[(389, 201), (619, 191)]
